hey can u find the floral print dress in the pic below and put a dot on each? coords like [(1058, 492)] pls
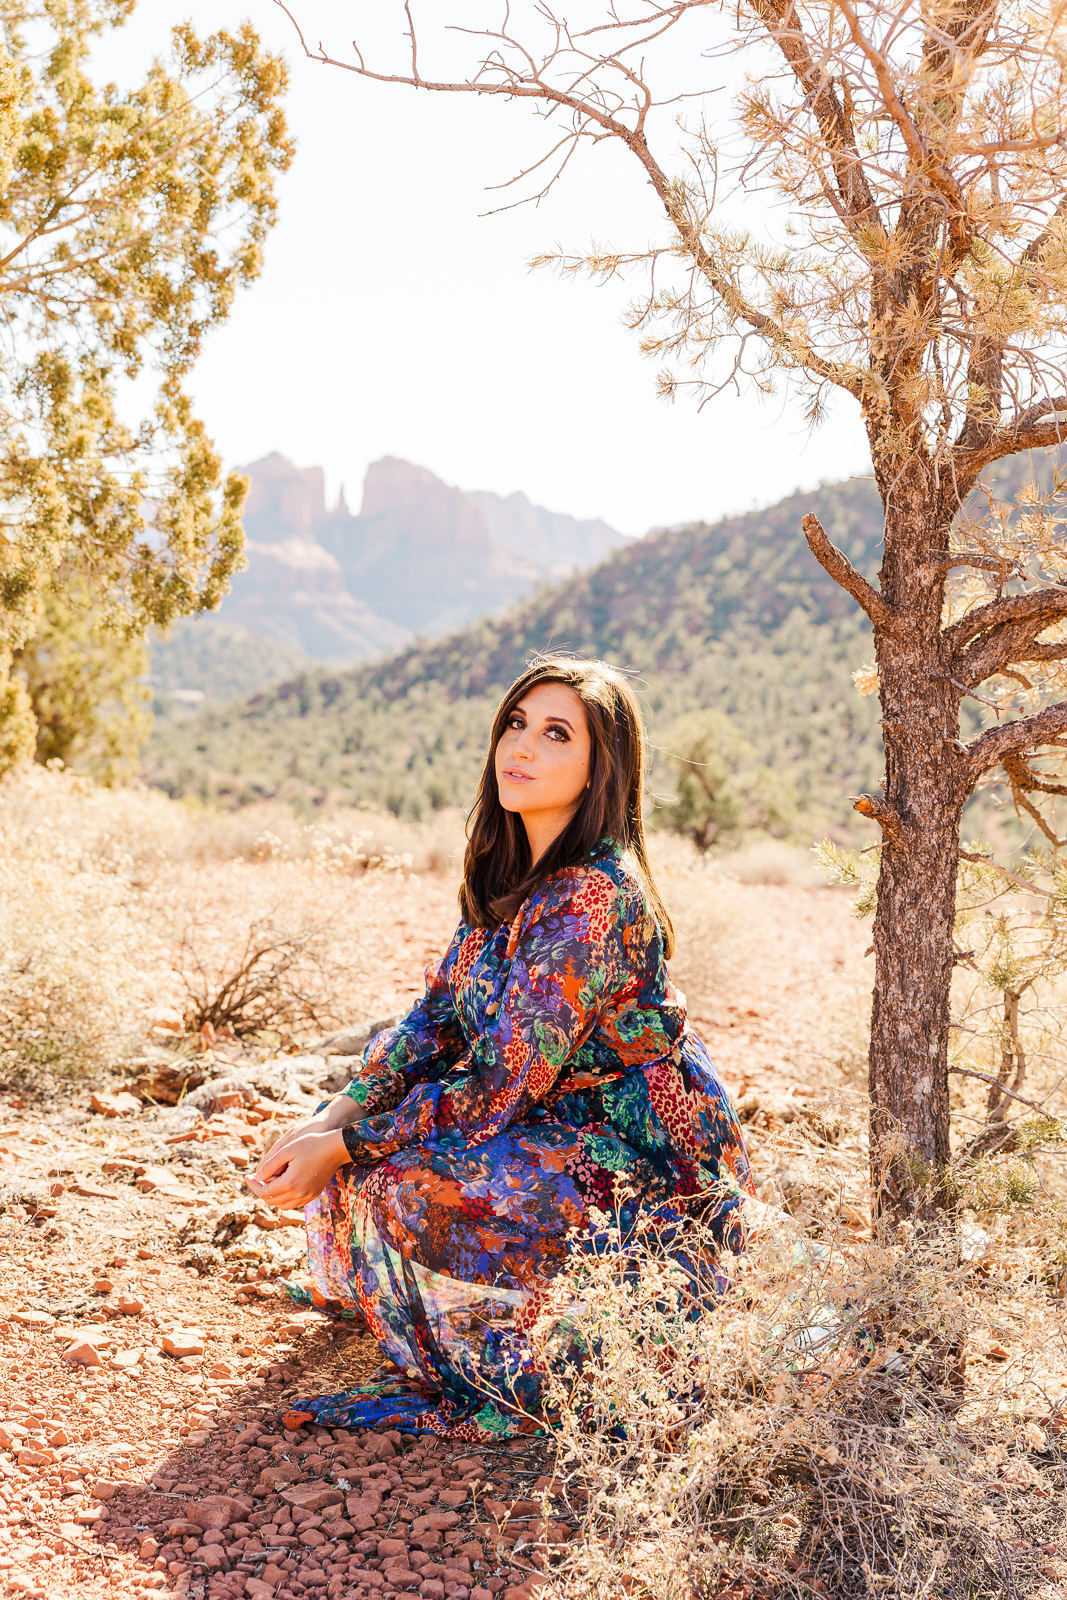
[(548, 1059)]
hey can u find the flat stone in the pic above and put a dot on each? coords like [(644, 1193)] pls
[(216, 1511), (34, 1319), (124, 1359), (83, 1354), (119, 1104), (92, 1191), (130, 1306), (153, 1178), (312, 1496), (183, 1342)]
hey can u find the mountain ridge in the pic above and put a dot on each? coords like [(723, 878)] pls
[(420, 558), (735, 615)]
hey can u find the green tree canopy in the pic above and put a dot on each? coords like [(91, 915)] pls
[(127, 222), (720, 791)]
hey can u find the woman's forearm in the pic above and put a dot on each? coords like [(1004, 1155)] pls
[(341, 1112)]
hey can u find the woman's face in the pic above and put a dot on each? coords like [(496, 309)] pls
[(542, 761)]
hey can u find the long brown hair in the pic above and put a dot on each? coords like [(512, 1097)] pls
[(498, 873)]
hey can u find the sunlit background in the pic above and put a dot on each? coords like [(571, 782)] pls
[(394, 317)]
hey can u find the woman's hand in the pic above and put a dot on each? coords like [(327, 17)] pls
[(299, 1166)]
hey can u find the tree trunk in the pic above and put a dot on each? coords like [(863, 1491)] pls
[(913, 926)]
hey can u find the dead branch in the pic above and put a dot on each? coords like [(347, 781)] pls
[(1005, 872), (1025, 782), (1038, 610), (840, 568), (893, 827), (986, 1077), (1014, 738)]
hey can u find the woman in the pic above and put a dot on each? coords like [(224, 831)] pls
[(548, 1058)]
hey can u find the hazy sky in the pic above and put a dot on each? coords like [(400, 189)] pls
[(393, 318)]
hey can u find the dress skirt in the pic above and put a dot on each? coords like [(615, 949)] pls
[(448, 1248)]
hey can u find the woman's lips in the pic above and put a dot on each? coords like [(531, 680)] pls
[(516, 776)]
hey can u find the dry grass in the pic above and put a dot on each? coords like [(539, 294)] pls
[(857, 1418), (121, 910)]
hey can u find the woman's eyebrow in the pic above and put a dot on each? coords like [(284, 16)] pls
[(564, 721)]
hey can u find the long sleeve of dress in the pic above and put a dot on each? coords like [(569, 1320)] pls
[(421, 1046), (574, 951)]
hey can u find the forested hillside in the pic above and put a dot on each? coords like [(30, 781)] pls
[(737, 616)]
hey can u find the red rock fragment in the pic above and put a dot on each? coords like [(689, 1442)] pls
[(119, 1104), (83, 1354), (216, 1511), (92, 1191), (312, 1496), (363, 1504), (183, 1342)]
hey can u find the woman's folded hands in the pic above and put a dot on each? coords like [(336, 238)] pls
[(303, 1161)]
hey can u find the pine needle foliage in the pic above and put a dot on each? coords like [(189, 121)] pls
[(128, 221)]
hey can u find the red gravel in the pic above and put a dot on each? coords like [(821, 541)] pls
[(175, 1476)]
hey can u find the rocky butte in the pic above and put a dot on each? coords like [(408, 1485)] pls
[(421, 557)]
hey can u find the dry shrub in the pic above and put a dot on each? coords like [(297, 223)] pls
[(346, 839), (76, 958), (271, 975), (855, 1418), (116, 904)]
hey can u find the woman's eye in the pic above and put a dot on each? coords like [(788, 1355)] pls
[(558, 733)]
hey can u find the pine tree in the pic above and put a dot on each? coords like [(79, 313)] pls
[(127, 223)]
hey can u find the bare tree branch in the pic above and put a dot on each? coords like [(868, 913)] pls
[(1014, 738), (1038, 609), (840, 568)]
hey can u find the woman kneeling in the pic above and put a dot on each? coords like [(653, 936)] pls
[(483, 1138)]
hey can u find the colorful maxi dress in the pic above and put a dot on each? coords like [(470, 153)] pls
[(547, 1059)]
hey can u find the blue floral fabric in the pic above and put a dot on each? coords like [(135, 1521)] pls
[(548, 1062)]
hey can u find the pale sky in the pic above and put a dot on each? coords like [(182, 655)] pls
[(392, 318)]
